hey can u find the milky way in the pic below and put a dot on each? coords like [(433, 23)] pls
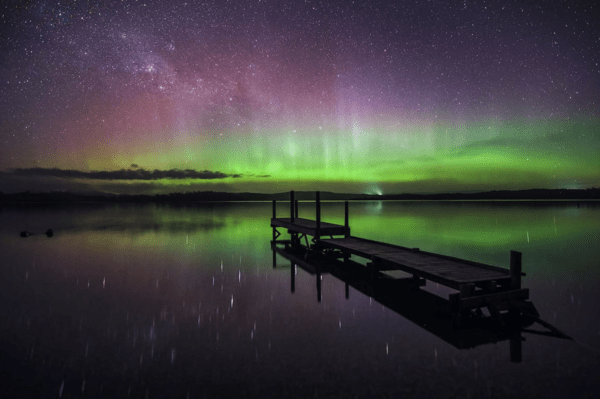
[(415, 96)]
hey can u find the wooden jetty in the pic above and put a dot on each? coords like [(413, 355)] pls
[(478, 285), (427, 310)]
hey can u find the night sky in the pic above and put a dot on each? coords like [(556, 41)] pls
[(272, 95)]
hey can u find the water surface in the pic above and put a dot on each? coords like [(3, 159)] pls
[(183, 301)]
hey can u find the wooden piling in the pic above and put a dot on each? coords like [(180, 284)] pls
[(296, 208), (318, 203), (319, 287), (346, 220), (515, 270), (293, 268), (274, 228), (516, 349), (466, 290), (292, 206)]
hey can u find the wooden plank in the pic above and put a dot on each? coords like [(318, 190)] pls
[(429, 276), (307, 226), (467, 279), (479, 301), (444, 278), (468, 273), (461, 273), (476, 273), (422, 262), (478, 281), (473, 274), (448, 271), (416, 250), (303, 222), (357, 247)]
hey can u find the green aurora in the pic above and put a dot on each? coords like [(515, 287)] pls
[(414, 158)]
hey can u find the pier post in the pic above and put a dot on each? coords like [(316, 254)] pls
[(372, 266), (318, 194), (346, 220), (292, 206), (466, 290), (516, 348), (515, 270), (274, 228), (293, 236), (293, 268), (296, 208), (319, 287)]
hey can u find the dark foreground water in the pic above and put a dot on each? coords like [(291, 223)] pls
[(164, 301)]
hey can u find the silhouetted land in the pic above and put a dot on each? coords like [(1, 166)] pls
[(212, 196)]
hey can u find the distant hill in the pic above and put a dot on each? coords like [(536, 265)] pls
[(533, 194), (213, 196)]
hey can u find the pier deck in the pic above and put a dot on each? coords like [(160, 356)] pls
[(448, 271), (309, 227)]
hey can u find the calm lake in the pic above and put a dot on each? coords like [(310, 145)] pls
[(154, 301)]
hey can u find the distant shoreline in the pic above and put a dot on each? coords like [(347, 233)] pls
[(591, 194)]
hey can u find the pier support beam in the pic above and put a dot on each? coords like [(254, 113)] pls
[(294, 236), (293, 282), (346, 220), (318, 203), (292, 206), (319, 287), (466, 290), (274, 228), (516, 348), (515, 270)]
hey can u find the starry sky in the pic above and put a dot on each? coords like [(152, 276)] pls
[(270, 95)]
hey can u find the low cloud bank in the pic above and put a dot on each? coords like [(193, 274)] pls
[(124, 174)]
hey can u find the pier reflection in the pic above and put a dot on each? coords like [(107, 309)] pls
[(405, 297)]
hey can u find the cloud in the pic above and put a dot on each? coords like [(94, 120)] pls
[(123, 174)]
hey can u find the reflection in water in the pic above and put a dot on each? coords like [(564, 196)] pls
[(164, 301), (48, 233), (429, 311), (373, 207)]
